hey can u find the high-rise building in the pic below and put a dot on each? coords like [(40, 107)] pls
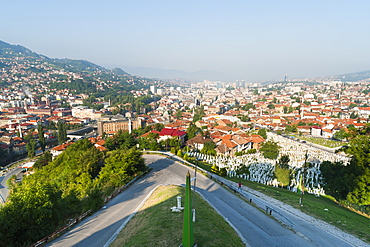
[(153, 89)]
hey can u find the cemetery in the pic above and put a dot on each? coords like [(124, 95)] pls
[(255, 167)]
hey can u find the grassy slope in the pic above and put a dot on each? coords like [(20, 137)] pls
[(335, 214), (156, 225), (321, 141)]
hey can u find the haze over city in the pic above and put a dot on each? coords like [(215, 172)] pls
[(242, 40)]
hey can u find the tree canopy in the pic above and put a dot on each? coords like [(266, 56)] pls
[(270, 150), (263, 133), (350, 182), (192, 130)]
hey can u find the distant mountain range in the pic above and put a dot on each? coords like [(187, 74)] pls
[(8, 50), (172, 73), (12, 51), (18, 62), (72, 65)]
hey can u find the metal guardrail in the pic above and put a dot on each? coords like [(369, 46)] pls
[(51, 236)]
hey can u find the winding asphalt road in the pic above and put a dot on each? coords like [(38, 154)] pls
[(4, 191), (255, 227)]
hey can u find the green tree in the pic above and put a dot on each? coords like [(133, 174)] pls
[(242, 170), (248, 106), (251, 151), (353, 115), (244, 118), (44, 159), (285, 109), (158, 126), (284, 161), (209, 148), (32, 212), (291, 128), (42, 141), (341, 134), (121, 140), (199, 114), (263, 133), (359, 148), (29, 136), (31, 148), (338, 178), (175, 142), (291, 109), (222, 172), (282, 175), (178, 114), (120, 166), (192, 131), (270, 150), (271, 106), (62, 132)]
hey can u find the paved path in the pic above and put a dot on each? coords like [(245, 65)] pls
[(254, 226)]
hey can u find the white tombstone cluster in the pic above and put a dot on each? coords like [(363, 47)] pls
[(261, 170)]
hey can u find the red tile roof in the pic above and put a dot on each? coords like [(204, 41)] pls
[(171, 132)]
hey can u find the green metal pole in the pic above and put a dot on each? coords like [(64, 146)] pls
[(188, 231)]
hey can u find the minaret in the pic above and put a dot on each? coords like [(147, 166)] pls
[(19, 129), (129, 126)]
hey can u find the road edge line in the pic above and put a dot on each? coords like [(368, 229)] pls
[(114, 236), (226, 219)]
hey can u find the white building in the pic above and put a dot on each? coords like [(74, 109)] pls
[(153, 89)]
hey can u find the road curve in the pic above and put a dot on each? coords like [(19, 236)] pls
[(4, 191), (254, 226)]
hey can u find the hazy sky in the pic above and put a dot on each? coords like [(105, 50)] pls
[(249, 40)]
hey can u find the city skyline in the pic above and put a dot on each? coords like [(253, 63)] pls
[(244, 40)]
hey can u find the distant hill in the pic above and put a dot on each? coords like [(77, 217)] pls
[(72, 65), (21, 65), (359, 76), (8, 50), (173, 74)]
